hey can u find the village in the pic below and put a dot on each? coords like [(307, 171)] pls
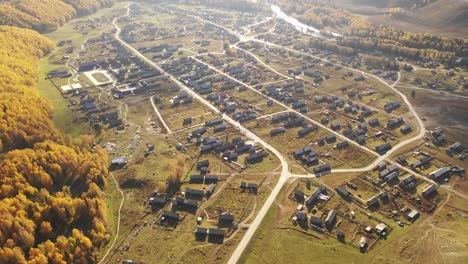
[(199, 113)]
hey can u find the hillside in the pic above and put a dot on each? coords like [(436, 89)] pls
[(51, 199), (45, 15), (447, 17)]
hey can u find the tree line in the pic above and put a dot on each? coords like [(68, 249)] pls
[(46, 15), (51, 200)]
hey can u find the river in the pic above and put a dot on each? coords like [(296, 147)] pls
[(306, 29)]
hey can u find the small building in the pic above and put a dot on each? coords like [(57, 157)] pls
[(322, 170), (331, 219), (429, 192), (413, 215), (440, 174), (456, 147), (200, 233), (301, 217), (315, 221), (169, 218), (277, 131), (215, 235), (343, 192), (219, 128), (203, 164), (118, 163), (251, 187), (382, 149), (225, 220), (373, 203), (299, 196), (405, 129), (374, 122), (363, 243), (210, 190), (206, 179), (194, 194)]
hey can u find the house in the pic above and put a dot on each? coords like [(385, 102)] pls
[(405, 130), (388, 170), (214, 122), (118, 163), (87, 66), (374, 122), (299, 196), (343, 192), (331, 219), (342, 145), (279, 118), (384, 197), (382, 149), (210, 190), (408, 183), (393, 176), (215, 235), (429, 192), (255, 157), (244, 149), (200, 233), (225, 220), (198, 132), (185, 204), (424, 162), (169, 218), (373, 203), (456, 147), (363, 244), (413, 215), (316, 222), (251, 187), (314, 196), (390, 106), (301, 217), (330, 138), (194, 194), (206, 179), (322, 170), (203, 164), (394, 123), (305, 131), (219, 128), (440, 174), (335, 126), (381, 166), (277, 131), (340, 236)]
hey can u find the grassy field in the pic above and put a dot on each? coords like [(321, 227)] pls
[(413, 244), (65, 118)]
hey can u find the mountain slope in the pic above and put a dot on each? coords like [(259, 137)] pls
[(45, 15)]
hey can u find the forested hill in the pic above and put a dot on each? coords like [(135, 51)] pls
[(46, 15), (51, 201)]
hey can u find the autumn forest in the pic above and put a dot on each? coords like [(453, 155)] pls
[(51, 196)]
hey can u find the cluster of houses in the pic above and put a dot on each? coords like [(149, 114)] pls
[(287, 93)]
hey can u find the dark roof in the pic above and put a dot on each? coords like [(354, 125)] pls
[(440, 173), (316, 221), (215, 232), (226, 218), (429, 191), (201, 231), (170, 215), (342, 191)]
